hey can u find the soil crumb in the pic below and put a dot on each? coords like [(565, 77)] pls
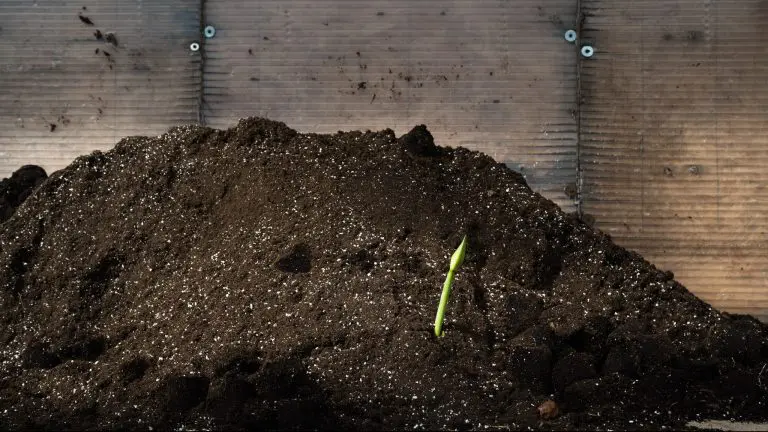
[(85, 20), (260, 278), (111, 38)]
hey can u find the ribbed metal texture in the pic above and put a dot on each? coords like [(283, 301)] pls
[(674, 140), (673, 104), (495, 76), (62, 95)]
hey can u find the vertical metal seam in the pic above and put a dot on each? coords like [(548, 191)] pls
[(201, 89), (644, 117), (579, 174), (115, 98), (714, 107)]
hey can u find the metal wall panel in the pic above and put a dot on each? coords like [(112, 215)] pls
[(672, 106), (60, 98), (674, 139), (490, 75)]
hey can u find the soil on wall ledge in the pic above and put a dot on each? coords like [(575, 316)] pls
[(261, 278)]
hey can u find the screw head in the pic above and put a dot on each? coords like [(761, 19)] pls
[(570, 36), (194, 47), (587, 51), (209, 32)]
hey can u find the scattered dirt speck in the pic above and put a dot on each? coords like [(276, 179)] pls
[(694, 35), (85, 20), (570, 190), (555, 19), (111, 38)]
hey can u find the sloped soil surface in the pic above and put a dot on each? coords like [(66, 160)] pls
[(261, 278), (17, 188)]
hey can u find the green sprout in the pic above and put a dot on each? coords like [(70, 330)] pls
[(456, 260)]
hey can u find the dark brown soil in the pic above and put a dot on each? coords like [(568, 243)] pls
[(111, 38), (85, 20), (15, 189), (261, 278)]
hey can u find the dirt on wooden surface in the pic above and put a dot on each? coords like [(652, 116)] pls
[(261, 278)]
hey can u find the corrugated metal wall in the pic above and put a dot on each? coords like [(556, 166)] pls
[(64, 93), (489, 75), (671, 109), (674, 139)]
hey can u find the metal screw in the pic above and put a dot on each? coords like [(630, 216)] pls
[(570, 36), (587, 51), (194, 47), (209, 32)]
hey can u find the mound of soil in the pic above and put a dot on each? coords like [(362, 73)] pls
[(261, 278), (16, 189)]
